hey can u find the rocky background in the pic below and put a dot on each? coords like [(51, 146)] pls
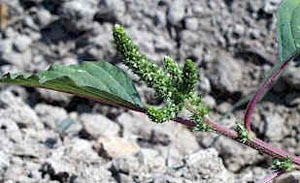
[(51, 137)]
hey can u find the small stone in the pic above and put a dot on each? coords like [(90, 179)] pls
[(19, 112), (239, 29), (44, 17), (114, 147), (191, 23), (273, 126), (209, 101), (204, 84), (6, 46), (97, 125), (227, 73), (224, 107), (111, 10), (151, 160), (176, 12), (292, 77), (126, 164), (50, 115), (290, 177), (22, 43), (54, 96), (11, 129), (205, 165)]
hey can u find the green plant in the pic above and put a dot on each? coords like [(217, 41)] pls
[(108, 84)]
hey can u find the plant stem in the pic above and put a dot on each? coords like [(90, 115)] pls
[(252, 142), (260, 91)]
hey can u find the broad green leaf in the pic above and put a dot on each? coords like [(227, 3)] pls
[(100, 81), (288, 29)]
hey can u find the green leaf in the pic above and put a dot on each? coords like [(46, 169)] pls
[(288, 29), (99, 81)]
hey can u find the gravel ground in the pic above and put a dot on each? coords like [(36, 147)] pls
[(232, 43)]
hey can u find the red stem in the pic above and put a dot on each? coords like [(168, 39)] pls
[(261, 90), (253, 142), (271, 176)]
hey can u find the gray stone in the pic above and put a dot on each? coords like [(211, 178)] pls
[(16, 110), (97, 125), (50, 115), (11, 129), (6, 46), (44, 17), (209, 101), (79, 9), (270, 6), (78, 14), (151, 160), (227, 73), (292, 77), (176, 12), (274, 124), (290, 177), (114, 147), (54, 96), (22, 43), (204, 84), (191, 23), (204, 166), (159, 136), (126, 164), (111, 10), (235, 156)]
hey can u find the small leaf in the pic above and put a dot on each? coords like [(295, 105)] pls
[(100, 81), (288, 29)]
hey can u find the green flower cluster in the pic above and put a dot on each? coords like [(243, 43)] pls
[(285, 164), (242, 132), (170, 83)]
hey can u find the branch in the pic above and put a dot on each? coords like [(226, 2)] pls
[(260, 91)]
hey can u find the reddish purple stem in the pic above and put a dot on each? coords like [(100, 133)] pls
[(271, 176), (261, 90)]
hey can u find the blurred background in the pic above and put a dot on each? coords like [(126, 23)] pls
[(51, 137)]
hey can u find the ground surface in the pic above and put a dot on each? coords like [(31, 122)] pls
[(232, 43)]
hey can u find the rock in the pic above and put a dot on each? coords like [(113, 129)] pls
[(273, 125), (176, 12), (22, 43), (43, 17), (138, 128), (204, 166), (6, 46), (11, 129), (126, 164), (270, 6), (8, 54), (113, 147), (191, 23), (151, 160), (209, 101), (97, 125), (234, 155), (51, 116), (290, 177), (78, 14), (204, 85), (4, 161), (110, 10), (53, 96), (19, 112), (79, 9), (292, 77), (227, 73)]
